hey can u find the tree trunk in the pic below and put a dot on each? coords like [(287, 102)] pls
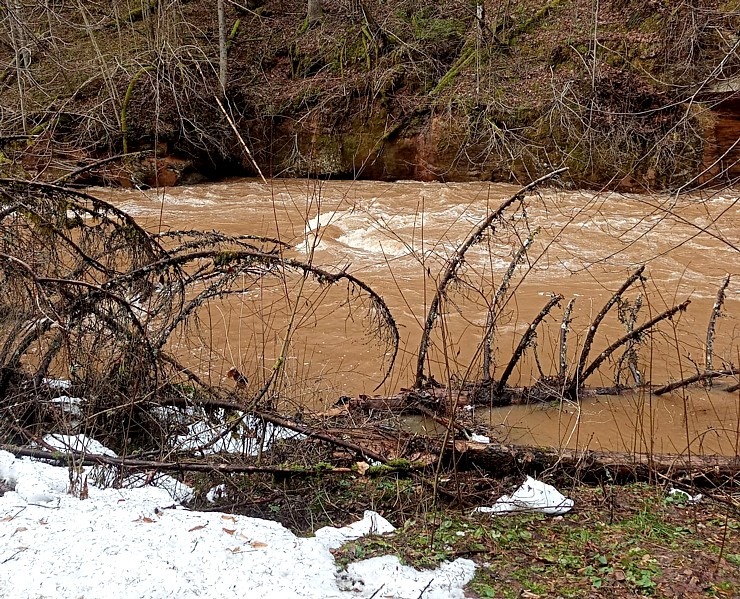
[(222, 50), (506, 460), (315, 12)]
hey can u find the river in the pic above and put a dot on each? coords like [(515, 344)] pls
[(398, 236)]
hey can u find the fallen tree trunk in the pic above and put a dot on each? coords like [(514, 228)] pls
[(76, 458), (592, 466), (443, 400), (494, 459)]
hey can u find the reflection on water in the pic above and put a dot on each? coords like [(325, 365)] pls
[(707, 423), (397, 237)]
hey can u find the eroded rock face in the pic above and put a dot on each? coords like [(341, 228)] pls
[(147, 171), (437, 148), (163, 172), (722, 150)]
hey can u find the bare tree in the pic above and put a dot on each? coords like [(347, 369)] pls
[(223, 58), (22, 53)]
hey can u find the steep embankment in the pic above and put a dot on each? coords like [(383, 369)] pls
[(636, 93)]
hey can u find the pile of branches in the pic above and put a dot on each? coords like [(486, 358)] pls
[(92, 306), (568, 380)]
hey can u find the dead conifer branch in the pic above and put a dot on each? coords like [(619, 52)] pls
[(716, 312), (91, 298), (51, 197), (196, 240)]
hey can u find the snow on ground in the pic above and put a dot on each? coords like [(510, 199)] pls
[(81, 443), (207, 437), (140, 543)]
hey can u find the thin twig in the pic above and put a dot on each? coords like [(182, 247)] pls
[(496, 304), (241, 140)]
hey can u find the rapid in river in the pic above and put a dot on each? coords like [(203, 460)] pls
[(397, 237)]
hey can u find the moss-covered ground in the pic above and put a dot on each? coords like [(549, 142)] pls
[(630, 541), (618, 541)]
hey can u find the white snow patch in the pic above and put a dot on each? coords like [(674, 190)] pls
[(80, 443), (122, 543), (683, 495), (68, 405), (480, 439), (179, 491), (216, 493), (208, 438), (58, 384), (385, 576), (33, 482), (372, 523)]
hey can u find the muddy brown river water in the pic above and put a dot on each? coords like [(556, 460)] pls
[(397, 238)]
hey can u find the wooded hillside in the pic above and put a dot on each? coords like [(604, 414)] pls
[(630, 93)]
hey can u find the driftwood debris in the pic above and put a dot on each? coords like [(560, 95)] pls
[(716, 313), (580, 374), (93, 459), (445, 400), (689, 380)]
